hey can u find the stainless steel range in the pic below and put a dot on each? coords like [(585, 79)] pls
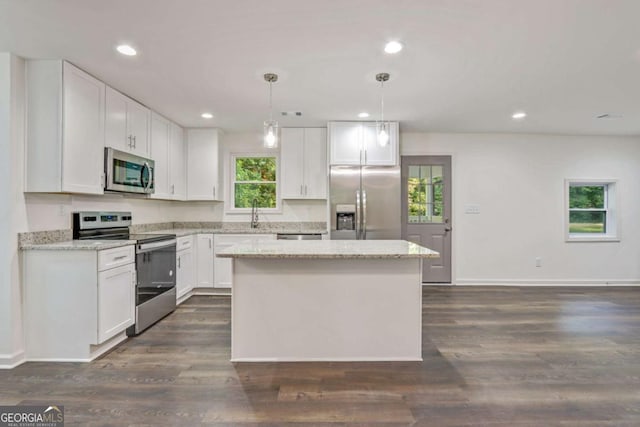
[(155, 263)]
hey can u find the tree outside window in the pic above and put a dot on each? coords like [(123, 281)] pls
[(592, 213), (255, 179)]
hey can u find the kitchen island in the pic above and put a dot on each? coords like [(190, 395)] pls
[(327, 300)]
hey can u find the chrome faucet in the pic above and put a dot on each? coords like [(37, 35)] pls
[(254, 213)]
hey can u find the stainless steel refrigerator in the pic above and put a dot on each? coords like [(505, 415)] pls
[(365, 202)]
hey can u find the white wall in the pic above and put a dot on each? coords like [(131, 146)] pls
[(518, 182), (292, 210), (12, 207), (53, 211)]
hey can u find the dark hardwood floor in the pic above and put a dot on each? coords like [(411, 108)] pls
[(503, 356)]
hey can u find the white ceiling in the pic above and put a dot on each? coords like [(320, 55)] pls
[(466, 67)]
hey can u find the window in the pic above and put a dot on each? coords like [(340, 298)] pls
[(591, 210), (254, 178), (425, 189)]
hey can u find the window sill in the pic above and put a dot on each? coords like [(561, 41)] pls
[(593, 238)]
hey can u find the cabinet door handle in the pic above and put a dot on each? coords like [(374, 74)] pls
[(305, 189), (178, 262), (173, 189), (134, 141), (129, 138), (214, 191), (209, 243), (118, 258)]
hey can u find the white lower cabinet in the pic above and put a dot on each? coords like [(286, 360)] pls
[(185, 274), (204, 261), (223, 267), (116, 300), (77, 303)]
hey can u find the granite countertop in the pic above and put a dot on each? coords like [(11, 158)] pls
[(77, 245), (181, 232), (329, 249)]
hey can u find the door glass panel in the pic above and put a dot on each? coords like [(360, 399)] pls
[(425, 192), (436, 174)]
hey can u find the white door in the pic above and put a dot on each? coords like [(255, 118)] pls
[(116, 121), (345, 139), (83, 132), (116, 301), (160, 155), (375, 154), (315, 163), (177, 163), (202, 164), (204, 260), (292, 163), (138, 120), (426, 211), (223, 269), (185, 272)]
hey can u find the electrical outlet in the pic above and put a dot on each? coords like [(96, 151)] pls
[(472, 209), (538, 262)]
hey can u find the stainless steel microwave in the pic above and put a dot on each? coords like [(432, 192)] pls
[(128, 173)]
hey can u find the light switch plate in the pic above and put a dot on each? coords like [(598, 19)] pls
[(472, 209)]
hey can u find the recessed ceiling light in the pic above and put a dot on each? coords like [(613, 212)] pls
[(363, 115), (393, 47), (207, 116), (125, 49), (519, 115)]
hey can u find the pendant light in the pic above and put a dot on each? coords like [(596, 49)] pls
[(271, 126), (382, 127)]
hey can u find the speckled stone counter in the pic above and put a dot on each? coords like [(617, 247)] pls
[(77, 245), (329, 249), (326, 300), (61, 239)]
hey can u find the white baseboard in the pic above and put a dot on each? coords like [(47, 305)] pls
[(571, 282), (10, 361)]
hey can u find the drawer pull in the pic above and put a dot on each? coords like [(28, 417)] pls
[(120, 257)]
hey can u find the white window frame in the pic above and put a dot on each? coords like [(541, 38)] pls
[(611, 209), (232, 181)]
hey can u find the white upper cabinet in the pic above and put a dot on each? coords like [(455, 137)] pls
[(345, 143), (127, 124), (203, 177), (177, 163), (355, 143), (160, 134), (303, 160), (65, 129), (168, 153)]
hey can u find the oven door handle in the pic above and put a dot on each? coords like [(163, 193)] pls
[(147, 247)]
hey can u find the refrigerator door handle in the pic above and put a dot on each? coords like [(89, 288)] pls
[(358, 215), (363, 231)]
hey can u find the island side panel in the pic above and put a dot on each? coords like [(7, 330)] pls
[(326, 310)]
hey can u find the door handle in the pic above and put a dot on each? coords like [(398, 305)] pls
[(364, 214), (134, 141), (357, 215)]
